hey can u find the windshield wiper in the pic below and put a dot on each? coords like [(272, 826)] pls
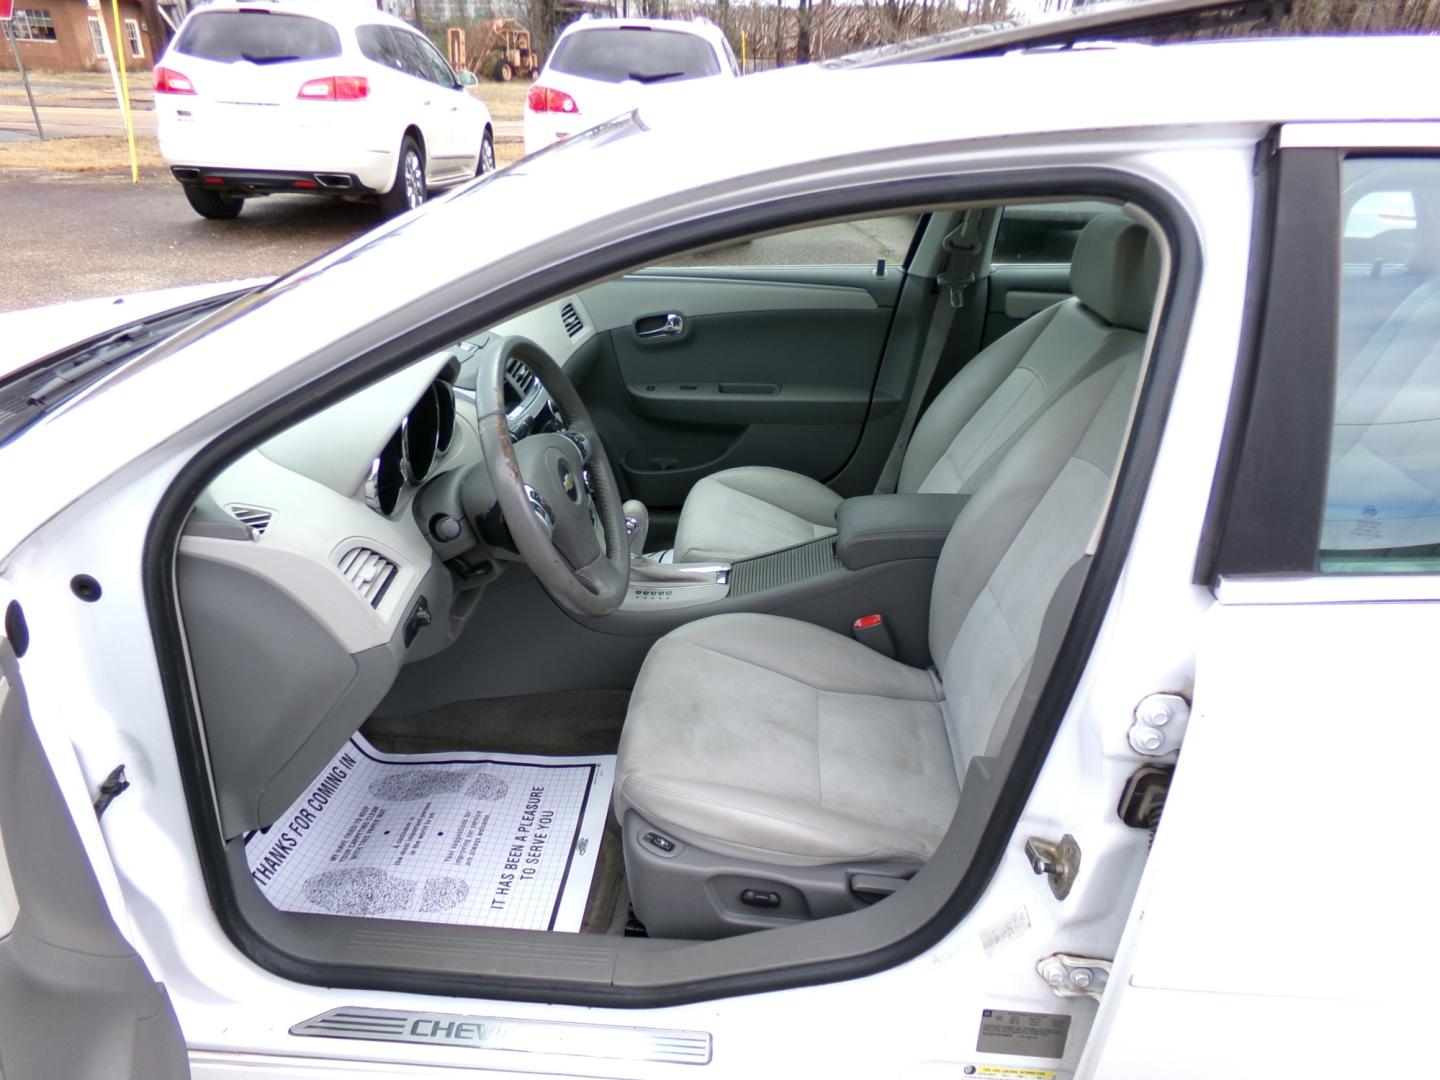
[(35, 390), (659, 76), (92, 362), (267, 59)]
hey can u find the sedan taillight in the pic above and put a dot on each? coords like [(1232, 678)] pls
[(170, 81), (336, 88), (543, 99)]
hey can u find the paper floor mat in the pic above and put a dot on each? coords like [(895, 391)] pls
[(471, 838)]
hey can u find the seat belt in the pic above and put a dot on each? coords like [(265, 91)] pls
[(963, 245)]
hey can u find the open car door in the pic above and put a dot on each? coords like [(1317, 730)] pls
[(76, 1000)]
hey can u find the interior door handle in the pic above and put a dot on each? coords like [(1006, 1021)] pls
[(672, 324)]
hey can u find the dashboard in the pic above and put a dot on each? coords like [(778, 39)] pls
[(321, 561)]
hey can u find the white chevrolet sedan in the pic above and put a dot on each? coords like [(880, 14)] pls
[(306, 98), (978, 627)]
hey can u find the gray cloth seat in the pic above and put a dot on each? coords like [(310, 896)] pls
[(742, 512), (789, 746)]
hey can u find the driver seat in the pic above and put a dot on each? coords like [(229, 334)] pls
[(771, 770)]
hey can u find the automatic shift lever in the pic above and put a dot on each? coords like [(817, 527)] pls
[(637, 524)]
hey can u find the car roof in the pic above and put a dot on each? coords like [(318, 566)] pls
[(347, 13)]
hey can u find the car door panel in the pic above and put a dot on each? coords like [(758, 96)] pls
[(76, 999), (763, 366)]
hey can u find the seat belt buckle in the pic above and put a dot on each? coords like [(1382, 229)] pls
[(955, 285), (871, 630)]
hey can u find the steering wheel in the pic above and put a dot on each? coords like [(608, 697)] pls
[(552, 487)]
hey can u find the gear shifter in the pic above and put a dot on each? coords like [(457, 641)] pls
[(637, 524)]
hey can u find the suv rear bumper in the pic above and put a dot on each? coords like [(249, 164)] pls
[(267, 181)]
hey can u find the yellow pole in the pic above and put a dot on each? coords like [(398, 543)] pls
[(125, 95), (742, 52)]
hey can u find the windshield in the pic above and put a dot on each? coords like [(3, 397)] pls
[(633, 52), (29, 393), (260, 37)]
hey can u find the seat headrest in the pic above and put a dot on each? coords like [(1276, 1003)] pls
[(1116, 270)]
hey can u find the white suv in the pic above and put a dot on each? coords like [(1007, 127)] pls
[(600, 68), (313, 98)]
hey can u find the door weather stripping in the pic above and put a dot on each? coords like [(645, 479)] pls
[(671, 1046), (1075, 976), (1057, 860), (1159, 725)]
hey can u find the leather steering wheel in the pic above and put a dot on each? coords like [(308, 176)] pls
[(552, 487)]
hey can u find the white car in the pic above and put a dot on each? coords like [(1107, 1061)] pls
[(1019, 665), (302, 97), (601, 67)]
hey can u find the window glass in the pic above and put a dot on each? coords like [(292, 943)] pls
[(31, 24), (1382, 507), (850, 243), (97, 39), (646, 56), (132, 38), (377, 44), (262, 37), (437, 68), (1042, 233)]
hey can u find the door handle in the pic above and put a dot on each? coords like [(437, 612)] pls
[(672, 324)]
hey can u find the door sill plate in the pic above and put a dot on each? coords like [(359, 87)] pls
[(500, 1033)]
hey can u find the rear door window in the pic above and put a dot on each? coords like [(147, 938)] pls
[(1042, 234), (1382, 506), (261, 37), (380, 45), (613, 56)]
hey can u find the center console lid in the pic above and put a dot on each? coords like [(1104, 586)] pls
[(887, 528)]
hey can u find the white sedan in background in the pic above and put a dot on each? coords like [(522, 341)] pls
[(336, 99), (600, 68), (1072, 725)]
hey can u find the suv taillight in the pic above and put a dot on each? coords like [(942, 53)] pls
[(170, 81), (543, 99), (336, 88)]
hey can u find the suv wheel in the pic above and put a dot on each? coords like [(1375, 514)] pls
[(486, 163), (213, 204), (408, 190)]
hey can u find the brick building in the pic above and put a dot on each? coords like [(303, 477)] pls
[(65, 35)]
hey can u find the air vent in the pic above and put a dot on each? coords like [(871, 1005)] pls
[(370, 572), (254, 516), (520, 379), (571, 318)]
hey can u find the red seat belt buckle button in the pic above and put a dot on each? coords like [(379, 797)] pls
[(871, 630)]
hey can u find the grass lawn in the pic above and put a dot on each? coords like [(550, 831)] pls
[(98, 154), (506, 101)]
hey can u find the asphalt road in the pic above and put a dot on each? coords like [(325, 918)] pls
[(73, 237)]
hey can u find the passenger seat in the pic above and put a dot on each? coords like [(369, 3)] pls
[(747, 511)]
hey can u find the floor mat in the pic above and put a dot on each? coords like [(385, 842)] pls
[(474, 838)]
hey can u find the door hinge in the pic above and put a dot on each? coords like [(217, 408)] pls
[(1057, 860), (1159, 724), (1143, 800), (1075, 976)]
